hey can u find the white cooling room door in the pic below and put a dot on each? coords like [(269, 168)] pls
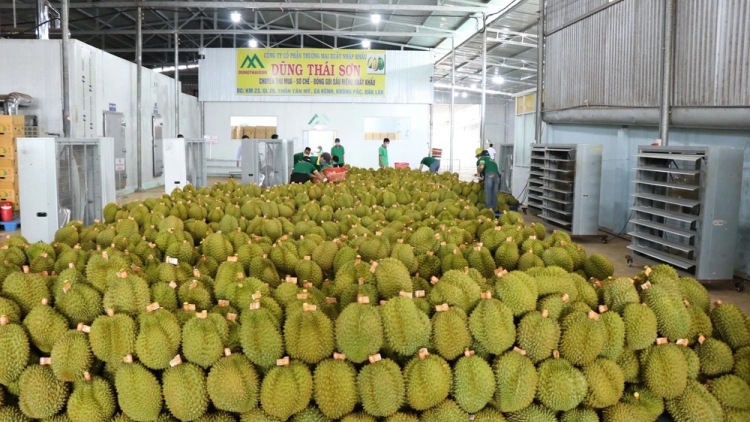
[(114, 127), (157, 124)]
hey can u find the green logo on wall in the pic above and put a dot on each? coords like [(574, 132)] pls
[(252, 62), (319, 120)]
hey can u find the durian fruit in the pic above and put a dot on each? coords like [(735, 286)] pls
[(561, 386), (715, 356), (581, 414), (257, 415), (516, 381), (507, 256), (729, 322), (92, 400), (598, 266), (158, 338), (695, 404), (640, 326), (664, 370), (488, 414), (392, 277), (614, 335), (12, 414), (14, 349), (491, 325), (308, 334), (450, 331), (532, 413), (286, 389), (42, 394), (203, 338), (695, 293), (456, 288), (473, 383), (672, 317), (741, 364), (45, 326), (233, 384), (311, 414), (112, 337), (335, 389), (126, 293), (381, 387), (583, 337), (731, 391), (630, 365), (518, 291), (406, 328), (260, 336), (359, 331), (396, 417), (428, 380), (185, 394), (538, 335), (71, 356), (139, 394), (27, 290), (79, 302), (558, 257), (308, 270), (606, 383), (447, 411), (618, 293)]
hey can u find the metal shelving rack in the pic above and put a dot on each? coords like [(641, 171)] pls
[(564, 185), (686, 208)]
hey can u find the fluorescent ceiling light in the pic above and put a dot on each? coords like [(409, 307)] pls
[(375, 18), (473, 86), (499, 80), (252, 43), (461, 88), (236, 17), (464, 94), (366, 43)]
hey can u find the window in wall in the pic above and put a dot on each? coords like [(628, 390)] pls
[(393, 128), (255, 127), (524, 128)]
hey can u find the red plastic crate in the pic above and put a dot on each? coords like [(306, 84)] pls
[(401, 165), (335, 174)]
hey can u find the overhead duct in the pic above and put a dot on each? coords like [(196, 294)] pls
[(13, 101), (43, 20)]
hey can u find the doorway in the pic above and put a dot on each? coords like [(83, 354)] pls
[(157, 125), (114, 127), (315, 138)]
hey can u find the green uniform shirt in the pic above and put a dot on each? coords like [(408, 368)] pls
[(338, 151), (489, 165), (428, 161), (298, 157), (325, 166), (384, 155), (304, 167)]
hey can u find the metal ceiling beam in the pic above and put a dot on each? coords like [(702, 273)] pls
[(282, 6), (265, 32)]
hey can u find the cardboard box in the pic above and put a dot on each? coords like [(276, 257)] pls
[(248, 131), (8, 165), (391, 136), (369, 136), (260, 132), (9, 195), (8, 141), (270, 131), (8, 186), (8, 176), (236, 132), (12, 125), (8, 152)]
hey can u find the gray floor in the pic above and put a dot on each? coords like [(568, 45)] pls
[(615, 249)]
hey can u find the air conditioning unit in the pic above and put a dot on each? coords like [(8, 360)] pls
[(184, 163), (63, 180), (267, 162)]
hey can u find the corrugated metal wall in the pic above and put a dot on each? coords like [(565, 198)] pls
[(560, 12), (408, 80), (712, 53), (609, 59)]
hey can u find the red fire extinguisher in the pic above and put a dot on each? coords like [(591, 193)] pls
[(6, 211)]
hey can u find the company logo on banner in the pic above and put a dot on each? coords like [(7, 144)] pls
[(296, 71)]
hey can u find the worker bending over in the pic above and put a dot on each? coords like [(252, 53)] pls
[(432, 163), (304, 171), (488, 170), (300, 155)]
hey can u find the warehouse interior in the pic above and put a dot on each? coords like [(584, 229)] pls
[(375, 210)]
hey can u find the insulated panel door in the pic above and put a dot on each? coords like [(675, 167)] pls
[(114, 127), (158, 149)]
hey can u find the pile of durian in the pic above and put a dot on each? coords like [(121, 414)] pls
[(392, 296)]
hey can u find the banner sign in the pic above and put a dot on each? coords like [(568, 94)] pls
[(297, 71)]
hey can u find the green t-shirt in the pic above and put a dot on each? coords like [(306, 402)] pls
[(428, 161), (489, 165), (384, 155), (304, 167), (338, 151), (298, 157)]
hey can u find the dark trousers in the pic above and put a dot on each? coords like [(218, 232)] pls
[(300, 178)]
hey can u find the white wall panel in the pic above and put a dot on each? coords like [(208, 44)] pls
[(347, 120), (33, 67), (190, 116), (408, 75)]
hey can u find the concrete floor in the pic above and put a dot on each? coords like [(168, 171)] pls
[(615, 249)]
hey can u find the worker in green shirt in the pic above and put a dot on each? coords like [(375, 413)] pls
[(383, 154), (298, 156), (338, 151), (488, 170), (432, 163), (304, 171), (325, 160)]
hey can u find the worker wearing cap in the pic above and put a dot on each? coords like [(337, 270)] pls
[(300, 155), (488, 170), (432, 163)]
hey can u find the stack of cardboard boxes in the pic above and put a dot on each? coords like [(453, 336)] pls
[(379, 136), (11, 127), (253, 132)]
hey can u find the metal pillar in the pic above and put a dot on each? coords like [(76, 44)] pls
[(482, 134), (176, 77), (668, 70), (42, 20), (453, 93), (138, 95), (539, 75), (65, 69)]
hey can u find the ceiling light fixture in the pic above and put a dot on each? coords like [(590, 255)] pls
[(252, 43), (473, 86), (375, 18), (499, 80), (236, 17), (464, 94), (366, 43)]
